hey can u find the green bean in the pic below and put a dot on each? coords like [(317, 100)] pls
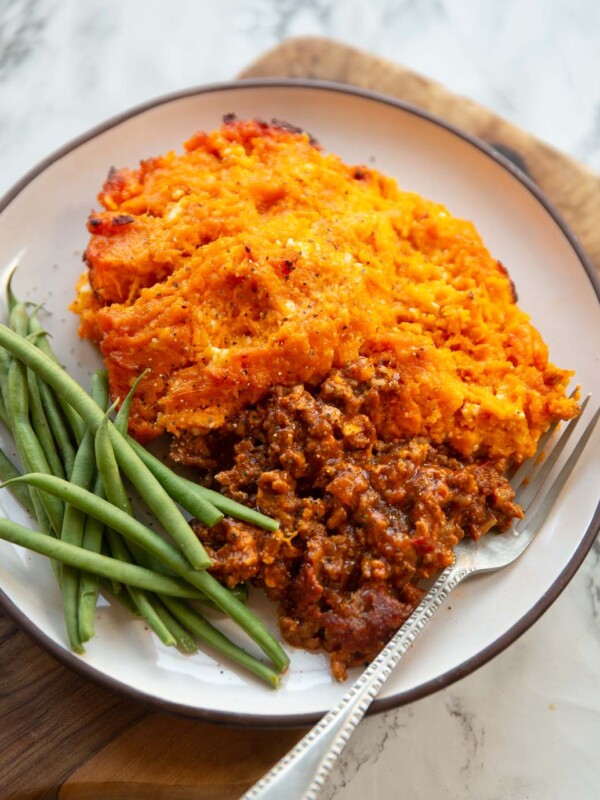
[(201, 628), (149, 488), (7, 471), (92, 534), (69, 583), (40, 426), (117, 588), (122, 417), (121, 597), (156, 498), (194, 503), (150, 607), (189, 495), (45, 527), (183, 641), (99, 564), (120, 499), (88, 582), (150, 541), (31, 502), (16, 399), (83, 473), (192, 496), (58, 427), (47, 419), (240, 592), (19, 318), (99, 388), (11, 300), (3, 412), (29, 499), (72, 532), (74, 420), (29, 449), (5, 359), (143, 601), (37, 414), (109, 469), (110, 515), (115, 494)]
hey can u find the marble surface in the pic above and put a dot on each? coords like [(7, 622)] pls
[(527, 725)]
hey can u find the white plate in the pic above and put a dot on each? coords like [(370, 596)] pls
[(42, 224)]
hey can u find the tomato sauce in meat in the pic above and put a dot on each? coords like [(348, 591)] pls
[(362, 519)]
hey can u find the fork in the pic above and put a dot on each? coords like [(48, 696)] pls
[(301, 774)]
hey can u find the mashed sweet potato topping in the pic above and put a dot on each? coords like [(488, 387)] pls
[(256, 260)]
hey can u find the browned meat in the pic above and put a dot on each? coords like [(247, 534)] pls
[(362, 519)]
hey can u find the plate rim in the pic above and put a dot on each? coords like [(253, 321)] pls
[(463, 669)]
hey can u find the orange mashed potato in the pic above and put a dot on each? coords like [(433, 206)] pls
[(254, 260)]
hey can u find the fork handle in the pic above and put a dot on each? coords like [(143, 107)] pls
[(302, 772)]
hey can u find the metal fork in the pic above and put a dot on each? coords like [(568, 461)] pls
[(301, 774)]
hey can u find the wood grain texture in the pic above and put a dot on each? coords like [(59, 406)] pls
[(51, 720), (571, 187), (63, 736), (181, 760)]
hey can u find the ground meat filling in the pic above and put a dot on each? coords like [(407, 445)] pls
[(362, 519)]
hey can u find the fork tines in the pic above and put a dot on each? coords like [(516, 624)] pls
[(530, 478)]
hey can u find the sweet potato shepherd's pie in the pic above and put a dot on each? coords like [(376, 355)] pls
[(344, 355)]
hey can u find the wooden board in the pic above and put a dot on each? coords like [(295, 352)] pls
[(63, 737)]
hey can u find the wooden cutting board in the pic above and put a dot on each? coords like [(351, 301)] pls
[(64, 737)]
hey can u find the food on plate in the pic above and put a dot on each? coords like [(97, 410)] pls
[(346, 355), (75, 458), (362, 519)]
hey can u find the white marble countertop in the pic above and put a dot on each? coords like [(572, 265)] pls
[(527, 725)]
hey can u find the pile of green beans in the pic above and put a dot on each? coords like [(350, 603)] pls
[(75, 460)]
